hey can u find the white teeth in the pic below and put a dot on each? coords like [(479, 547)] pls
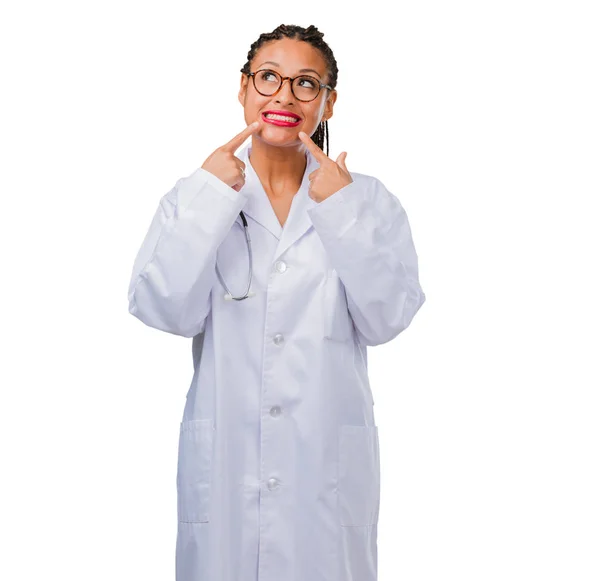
[(281, 117)]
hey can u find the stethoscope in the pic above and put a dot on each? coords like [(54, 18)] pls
[(229, 296)]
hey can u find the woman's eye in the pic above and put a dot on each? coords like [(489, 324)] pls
[(311, 83)]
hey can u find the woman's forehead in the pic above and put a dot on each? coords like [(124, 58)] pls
[(294, 56), (275, 65)]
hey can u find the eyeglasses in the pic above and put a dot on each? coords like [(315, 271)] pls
[(304, 87)]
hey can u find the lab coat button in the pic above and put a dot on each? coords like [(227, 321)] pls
[(275, 411), (280, 266), (278, 339), (273, 483)]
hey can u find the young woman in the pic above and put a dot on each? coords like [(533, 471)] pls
[(283, 265)]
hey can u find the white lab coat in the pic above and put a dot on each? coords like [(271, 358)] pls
[(278, 473)]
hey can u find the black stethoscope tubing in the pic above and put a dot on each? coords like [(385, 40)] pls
[(246, 295)]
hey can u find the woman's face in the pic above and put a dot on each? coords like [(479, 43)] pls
[(290, 56)]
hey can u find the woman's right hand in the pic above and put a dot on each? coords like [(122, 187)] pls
[(223, 164)]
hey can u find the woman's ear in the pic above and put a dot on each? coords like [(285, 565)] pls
[(243, 88), (328, 112)]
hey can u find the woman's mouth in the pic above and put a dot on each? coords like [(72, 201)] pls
[(280, 120)]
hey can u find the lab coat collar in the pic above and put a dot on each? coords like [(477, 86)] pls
[(259, 208)]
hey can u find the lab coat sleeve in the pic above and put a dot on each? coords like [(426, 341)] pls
[(174, 270), (366, 234)]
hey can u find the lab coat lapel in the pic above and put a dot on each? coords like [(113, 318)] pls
[(258, 206), (260, 209), (298, 221)]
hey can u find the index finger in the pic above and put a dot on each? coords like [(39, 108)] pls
[(241, 137), (313, 147)]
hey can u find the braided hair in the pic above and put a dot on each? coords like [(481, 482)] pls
[(313, 37)]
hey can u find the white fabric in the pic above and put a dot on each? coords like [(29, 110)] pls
[(278, 473)]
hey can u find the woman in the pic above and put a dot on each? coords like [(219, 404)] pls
[(278, 468)]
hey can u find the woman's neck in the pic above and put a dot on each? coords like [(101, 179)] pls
[(280, 169)]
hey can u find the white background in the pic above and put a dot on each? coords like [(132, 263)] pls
[(482, 117)]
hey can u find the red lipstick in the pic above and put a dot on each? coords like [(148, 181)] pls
[(280, 122)]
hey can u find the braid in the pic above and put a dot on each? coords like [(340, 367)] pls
[(315, 38), (321, 135)]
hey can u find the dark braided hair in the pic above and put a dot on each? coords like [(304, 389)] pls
[(313, 37)]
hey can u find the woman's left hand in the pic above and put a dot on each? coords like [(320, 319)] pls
[(330, 177)]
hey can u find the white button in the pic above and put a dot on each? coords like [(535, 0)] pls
[(275, 411), (272, 483), (278, 339), (280, 266)]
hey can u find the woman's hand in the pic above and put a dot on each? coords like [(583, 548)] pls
[(225, 165), (330, 177)]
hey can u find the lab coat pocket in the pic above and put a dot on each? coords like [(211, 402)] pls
[(358, 476), (194, 470), (338, 322)]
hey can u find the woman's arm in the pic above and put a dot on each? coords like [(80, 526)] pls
[(174, 269), (367, 236)]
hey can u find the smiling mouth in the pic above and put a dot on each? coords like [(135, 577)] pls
[(281, 120)]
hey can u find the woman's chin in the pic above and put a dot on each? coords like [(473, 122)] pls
[(277, 138)]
